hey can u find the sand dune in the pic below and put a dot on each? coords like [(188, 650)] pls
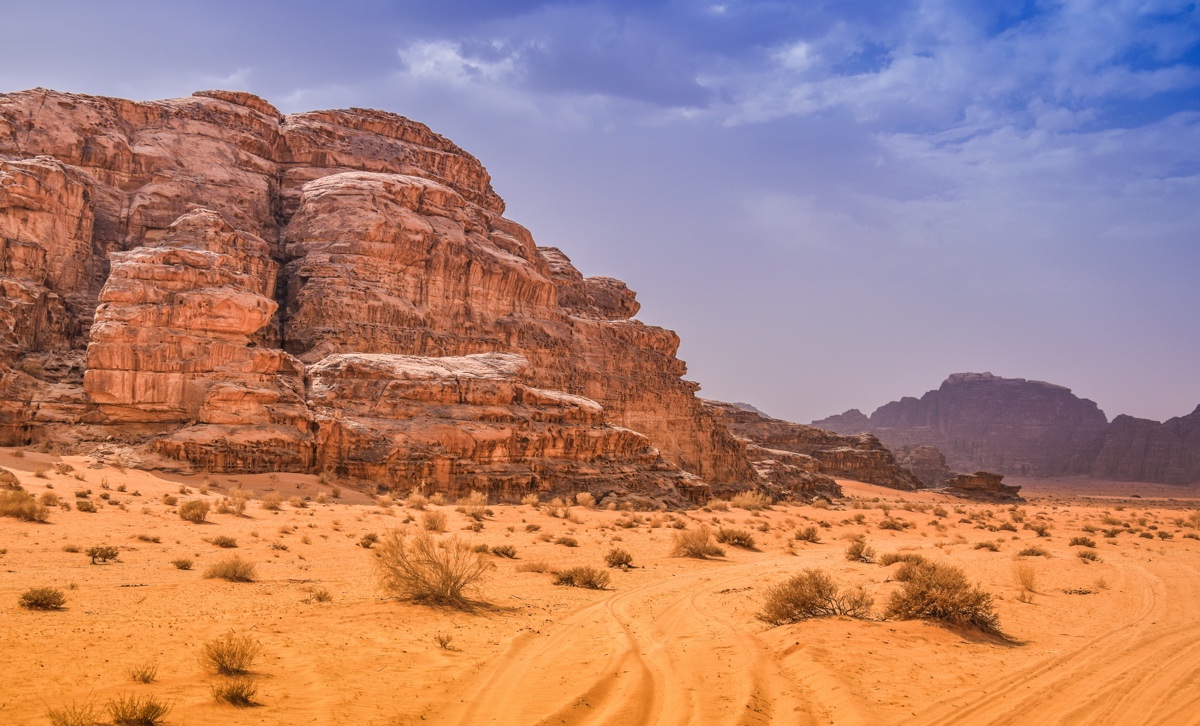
[(671, 641)]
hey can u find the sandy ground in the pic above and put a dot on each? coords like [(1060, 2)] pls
[(673, 641)]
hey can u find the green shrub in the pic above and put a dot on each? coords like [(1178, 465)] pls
[(195, 510), (590, 577), (939, 592), (812, 594), (43, 598)]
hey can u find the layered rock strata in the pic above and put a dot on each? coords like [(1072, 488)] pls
[(926, 463), (861, 457), (981, 485), (204, 251), (1137, 449)]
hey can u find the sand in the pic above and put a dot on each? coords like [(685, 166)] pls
[(672, 641)]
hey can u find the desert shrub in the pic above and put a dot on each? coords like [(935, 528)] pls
[(809, 534), (481, 549), (434, 521), (619, 558), (232, 505), (280, 546), (368, 540), (76, 714), (1082, 542), (474, 505), (1025, 576), (170, 500), (237, 691), (224, 541), (437, 499), (751, 501), (1164, 535), (1033, 551), (298, 502), (233, 569), (49, 499), (940, 511), (1038, 528), (890, 558), (590, 577), (318, 594), (585, 499), (22, 505), (538, 566), (1191, 535), (860, 551), (530, 500), (182, 563), (567, 541), (812, 594), (102, 554), (153, 539), (135, 710), (475, 526), (1088, 556), (195, 510), (719, 505), (696, 543), (504, 551), (989, 546), (889, 523), (419, 568), (43, 598), (85, 505), (230, 655), (271, 501), (143, 673), (735, 537), (940, 592)]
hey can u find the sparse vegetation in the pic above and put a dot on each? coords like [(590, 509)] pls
[(567, 541), (859, 551), (368, 540), (590, 577), (224, 541), (271, 501), (230, 655), (504, 551), (237, 691), (1033, 551), (232, 569), (1088, 556), (941, 592), (619, 559), (812, 594), (194, 510), (735, 537), (76, 714), (43, 598), (890, 558), (22, 505), (750, 501), (536, 566), (434, 521), (135, 710), (696, 543), (809, 534), (1082, 542), (182, 563), (318, 595), (102, 554), (421, 569), (474, 505), (143, 673), (1025, 576)]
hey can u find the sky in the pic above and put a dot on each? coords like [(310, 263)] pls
[(835, 204)]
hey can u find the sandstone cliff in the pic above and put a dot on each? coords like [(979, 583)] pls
[(1136, 449), (189, 276), (861, 456)]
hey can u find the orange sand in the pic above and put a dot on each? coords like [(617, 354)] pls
[(673, 641)]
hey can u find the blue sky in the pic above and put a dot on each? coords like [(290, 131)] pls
[(834, 203)]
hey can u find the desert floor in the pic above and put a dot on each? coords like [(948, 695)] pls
[(672, 641)]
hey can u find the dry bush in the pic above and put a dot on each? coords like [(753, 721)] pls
[(1033, 551), (812, 594), (531, 500), (298, 502), (232, 505), (224, 541), (1088, 556), (76, 714), (170, 500), (538, 566), (63, 468), (585, 499), (434, 521), (1025, 576), (749, 500), (233, 569), (735, 537), (438, 499), (504, 551), (696, 543), (941, 592), (237, 691), (420, 568), (416, 500), (590, 577), (1082, 542), (182, 563), (860, 551), (272, 501), (317, 595), (618, 558), (102, 554), (135, 710), (153, 539), (368, 540), (718, 505), (43, 598), (195, 510), (891, 558), (474, 505), (22, 505), (989, 546), (230, 655), (567, 542), (809, 534), (143, 673)]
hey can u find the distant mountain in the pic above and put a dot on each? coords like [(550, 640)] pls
[(1032, 428)]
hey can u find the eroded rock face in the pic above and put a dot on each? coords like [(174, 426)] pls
[(194, 246), (861, 457), (926, 462), (981, 485), (1137, 449), (982, 421)]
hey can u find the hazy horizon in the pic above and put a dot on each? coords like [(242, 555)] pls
[(834, 204)]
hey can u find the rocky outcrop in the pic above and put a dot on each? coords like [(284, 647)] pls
[(926, 462), (981, 421), (1136, 449), (981, 485), (204, 251), (861, 457)]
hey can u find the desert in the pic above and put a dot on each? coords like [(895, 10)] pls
[(669, 639)]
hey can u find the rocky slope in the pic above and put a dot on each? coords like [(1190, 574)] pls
[(187, 278), (1031, 428), (773, 443)]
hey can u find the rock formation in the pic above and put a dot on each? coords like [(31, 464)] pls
[(926, 462), (1137, 449), (208, 280), (861, 457), (981, 485), (981, 421)]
